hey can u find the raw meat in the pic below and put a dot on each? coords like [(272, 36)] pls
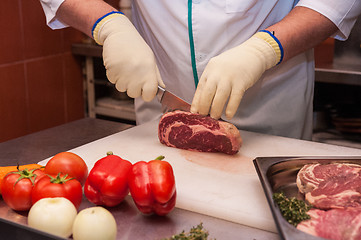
[(335, 224), (190, 131), (336, 185)]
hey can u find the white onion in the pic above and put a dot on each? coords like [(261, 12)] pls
[(53, 215), (93, 224)]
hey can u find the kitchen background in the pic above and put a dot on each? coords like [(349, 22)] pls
[(41, 83), (53, 77)]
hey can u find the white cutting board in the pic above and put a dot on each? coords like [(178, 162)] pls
[(214, 184)]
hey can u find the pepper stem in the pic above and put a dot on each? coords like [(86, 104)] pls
[(161, 157)]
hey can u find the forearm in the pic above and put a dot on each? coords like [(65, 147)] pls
[(301, 30), (82, 14)]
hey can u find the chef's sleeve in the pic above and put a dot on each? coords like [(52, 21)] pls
[(50, 7), (343, 13)]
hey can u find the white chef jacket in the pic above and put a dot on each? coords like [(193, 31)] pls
[(280, 103)]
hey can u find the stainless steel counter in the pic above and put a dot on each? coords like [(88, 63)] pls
[(131, 223)]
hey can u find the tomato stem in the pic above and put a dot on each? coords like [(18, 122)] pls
[(25, 174), (58, 179)]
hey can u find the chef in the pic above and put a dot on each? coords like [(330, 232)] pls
[(248, 61)]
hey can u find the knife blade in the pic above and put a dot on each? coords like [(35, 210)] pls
[(171, 102)]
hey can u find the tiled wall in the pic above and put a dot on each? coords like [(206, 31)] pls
[(41, 83)]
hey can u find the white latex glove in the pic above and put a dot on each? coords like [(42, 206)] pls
[(228, 75), (130, 63)]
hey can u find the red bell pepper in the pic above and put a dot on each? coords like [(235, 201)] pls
[(152, 186), (107, 184)]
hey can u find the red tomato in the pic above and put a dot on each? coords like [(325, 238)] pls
[(16, 188), (58, 186), (68, 163)]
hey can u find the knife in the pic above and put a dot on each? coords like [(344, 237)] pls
[(171, 102)]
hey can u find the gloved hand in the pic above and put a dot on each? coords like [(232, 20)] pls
[(130, 63), (228, 75)]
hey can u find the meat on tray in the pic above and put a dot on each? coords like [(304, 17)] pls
[(340, 224), (336, 185), (191, 131)]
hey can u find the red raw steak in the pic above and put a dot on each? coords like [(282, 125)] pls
[(336, 185), (195, 132), (335, 224)]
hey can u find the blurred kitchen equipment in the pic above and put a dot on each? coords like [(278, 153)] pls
[(337, 92)]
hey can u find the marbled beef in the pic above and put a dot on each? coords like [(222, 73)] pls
[(335, 224), (327, 186), (190, 131)]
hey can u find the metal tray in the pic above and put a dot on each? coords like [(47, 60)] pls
[(279, 174)]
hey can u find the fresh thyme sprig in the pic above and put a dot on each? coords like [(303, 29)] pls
[(292, 209), (196, 233)]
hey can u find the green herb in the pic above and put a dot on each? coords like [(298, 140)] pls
[(292, 209), (196, 233)]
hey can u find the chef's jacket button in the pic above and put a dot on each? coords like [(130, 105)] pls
[(201, 57), (196, 1)]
